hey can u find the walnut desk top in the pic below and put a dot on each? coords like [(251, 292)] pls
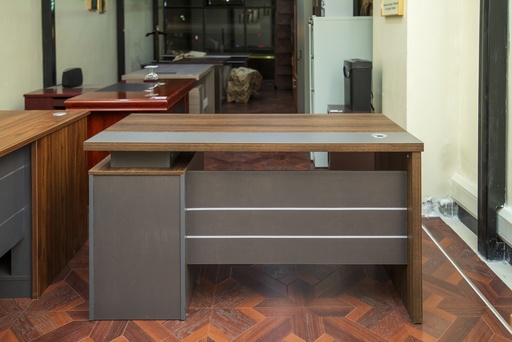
[(20, 128), (255, 133)]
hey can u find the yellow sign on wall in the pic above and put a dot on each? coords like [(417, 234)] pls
[(97, 5), (392, 7)]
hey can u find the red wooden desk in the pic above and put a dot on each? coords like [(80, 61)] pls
[(110, 104), (53, 97)]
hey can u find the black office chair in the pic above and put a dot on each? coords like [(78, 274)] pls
[(72, 77)]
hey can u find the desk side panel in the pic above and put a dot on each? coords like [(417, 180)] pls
[(135, 249), (408, 278), (59, 186)]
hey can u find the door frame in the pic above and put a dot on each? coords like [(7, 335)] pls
[(492, 128)]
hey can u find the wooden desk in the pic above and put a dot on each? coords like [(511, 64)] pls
[(53, 98), (204, 74), (110, 104), (43, 197), (221, 67), (180, 215)]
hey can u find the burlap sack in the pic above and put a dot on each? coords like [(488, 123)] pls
[(242, 83)]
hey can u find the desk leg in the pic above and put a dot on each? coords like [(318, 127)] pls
[(413, 297), (408, 278)]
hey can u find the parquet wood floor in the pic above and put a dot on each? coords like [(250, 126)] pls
[(284, 302)]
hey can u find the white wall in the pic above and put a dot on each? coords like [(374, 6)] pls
[(20, 52), (464, 187), (338, 8), (86, 39), (433, 88), (425, 80), (389, 77), (83, 39), (138, 21)]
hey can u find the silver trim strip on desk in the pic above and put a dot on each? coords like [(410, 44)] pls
[(296, 237), (295, 209)]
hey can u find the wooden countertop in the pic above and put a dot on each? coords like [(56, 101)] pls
[(20, 128), (133, 96), (255, 133)]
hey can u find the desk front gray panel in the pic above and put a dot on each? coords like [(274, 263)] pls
[(16, 224), (296, 217), (297, 251), (296, 222), (296, 189), (135, 248)]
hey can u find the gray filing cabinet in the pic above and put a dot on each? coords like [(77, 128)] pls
[(15, 224)]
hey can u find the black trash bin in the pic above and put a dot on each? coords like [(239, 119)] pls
[(358, 84)]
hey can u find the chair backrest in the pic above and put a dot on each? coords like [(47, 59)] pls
[(72, 77)]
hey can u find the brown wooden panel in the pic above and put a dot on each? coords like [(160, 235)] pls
[(32, 103), (284, 6), (408, 279), (414, 283), (296, 251), (60, 196), (352, 161), (20, 128), (360, 122)]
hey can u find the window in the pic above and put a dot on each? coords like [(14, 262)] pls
[(219, 26)]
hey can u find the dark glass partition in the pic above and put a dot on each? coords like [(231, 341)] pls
[(219, 26)]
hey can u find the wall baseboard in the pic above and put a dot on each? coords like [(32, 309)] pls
[(464, 193), (505, 225), (468, 220)]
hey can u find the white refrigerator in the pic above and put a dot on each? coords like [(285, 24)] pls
[(332, 40)]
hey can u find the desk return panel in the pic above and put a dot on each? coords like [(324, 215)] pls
[(310, 217), (15, 224), (135, 260)]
